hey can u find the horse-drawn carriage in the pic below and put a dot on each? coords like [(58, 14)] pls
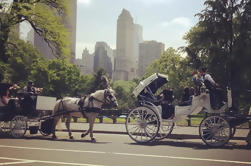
[(146, 122), (48, 111), (19, 118)]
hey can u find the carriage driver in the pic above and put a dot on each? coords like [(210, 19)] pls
[(216, 93), (30, 97)]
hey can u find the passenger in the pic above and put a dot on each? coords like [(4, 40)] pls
[(166, 98), (187, 97), (198, 82), (5, 91), (7, 105), (216, 93)]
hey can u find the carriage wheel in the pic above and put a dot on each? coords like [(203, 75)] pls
[(4, 127), (18, 126), (166, 128), (142, 124), (215, 131)]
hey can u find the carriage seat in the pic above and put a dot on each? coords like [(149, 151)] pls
[(6, 114), (148, 99), (167, 110)]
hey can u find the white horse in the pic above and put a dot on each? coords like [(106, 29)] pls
[(88, 106)]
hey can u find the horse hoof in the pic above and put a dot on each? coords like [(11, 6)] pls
[(71, 137), (83, 135), (54, 137), (93, 140)]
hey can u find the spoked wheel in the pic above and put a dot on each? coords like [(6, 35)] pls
[(142, 124), (4, 127), (18, 126), (215, 131), (166, 128)]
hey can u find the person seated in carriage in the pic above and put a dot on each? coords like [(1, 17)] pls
[(187, 97), (216, 93), (165, 99), (198, 82), (7, 105)]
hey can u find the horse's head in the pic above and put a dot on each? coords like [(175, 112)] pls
[(109, 97)]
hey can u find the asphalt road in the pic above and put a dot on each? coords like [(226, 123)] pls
[(118, 150)]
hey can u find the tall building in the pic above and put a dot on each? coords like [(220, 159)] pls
[(103, 57), (85, 64), (125, 66), (148, 52), (42, 47), (138, 35), (138, 38), (70, 23)]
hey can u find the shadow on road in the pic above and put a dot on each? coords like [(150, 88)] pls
[(182, 141), (48, 138), (63, 139)]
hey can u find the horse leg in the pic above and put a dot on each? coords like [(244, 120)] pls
[(91, 123), (67, 124), (87, 131), (55, 122)]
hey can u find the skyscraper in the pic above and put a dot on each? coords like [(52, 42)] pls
[(85, 64), (148, 52), (125, 60), (103, 57)]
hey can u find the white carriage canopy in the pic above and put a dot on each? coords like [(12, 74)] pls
[(153, 82)]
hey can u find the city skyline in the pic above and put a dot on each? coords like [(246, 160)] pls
[(165, 21)]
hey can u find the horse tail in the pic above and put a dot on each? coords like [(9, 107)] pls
[(57, 108)]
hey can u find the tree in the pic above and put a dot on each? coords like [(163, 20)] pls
[(220, 40), (44, 16), (20, 62), (124, 94), (98, 80), (176, 67)]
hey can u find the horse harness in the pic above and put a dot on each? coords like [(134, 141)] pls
[(90, 106)]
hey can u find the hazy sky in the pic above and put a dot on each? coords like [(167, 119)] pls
[(165, 21)]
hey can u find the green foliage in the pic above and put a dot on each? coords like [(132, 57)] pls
[(44, 16), (20, 62), (57, 77), (221, 41), (98, 83), (176, 67), (124, 94)]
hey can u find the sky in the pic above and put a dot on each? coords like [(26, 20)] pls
[(165, 21)]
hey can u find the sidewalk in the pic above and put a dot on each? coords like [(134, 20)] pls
[(178, 131)]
